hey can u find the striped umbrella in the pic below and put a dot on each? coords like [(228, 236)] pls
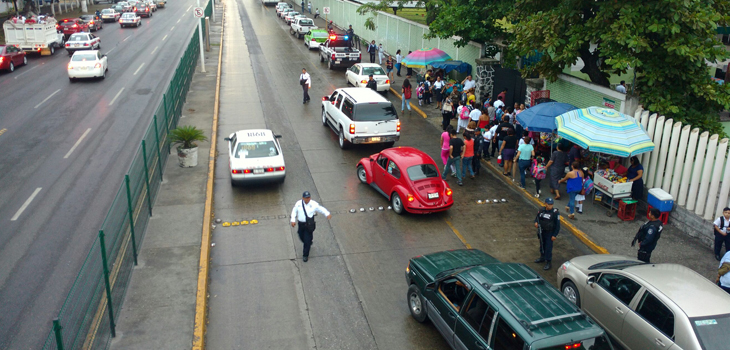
[(604, 130), (422, 58)]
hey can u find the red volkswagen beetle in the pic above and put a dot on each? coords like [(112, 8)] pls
[(409, 178)]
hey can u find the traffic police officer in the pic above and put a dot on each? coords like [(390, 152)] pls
[(303, 213), (648, 235), (547, 223)]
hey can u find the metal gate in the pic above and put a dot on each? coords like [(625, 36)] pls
[(510, 79)]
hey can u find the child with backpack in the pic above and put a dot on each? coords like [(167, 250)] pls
[(419, 93), (463, 114), (538, 173), (587, 188)]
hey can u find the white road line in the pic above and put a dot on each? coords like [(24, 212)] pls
[(173, 27), (140, 67), (110, 51), (178, 21), (125, 39), (153, 51), (26, 204), (77, 143), (163, 38), (191, 6), (115, 97), (55, 92), (26, 71)]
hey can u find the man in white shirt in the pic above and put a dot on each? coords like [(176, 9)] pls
[(306, 82), (475, 114), (720, 229), (621, 87), (498, 103), (493, 136), (303, 213), (469, 83)]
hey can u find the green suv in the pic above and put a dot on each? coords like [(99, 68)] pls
[(478, 302)]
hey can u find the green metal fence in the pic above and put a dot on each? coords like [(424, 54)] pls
[(88, 315)]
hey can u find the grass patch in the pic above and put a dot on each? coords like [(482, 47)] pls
[(415, 15)]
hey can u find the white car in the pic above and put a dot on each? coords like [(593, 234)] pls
[(152, 5), (289, 15), (358, 75), (82, 41), (87, 64), (255, 156), (110, 15), (295, 18), (280, 7), (130, 19)]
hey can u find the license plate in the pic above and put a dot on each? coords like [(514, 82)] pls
[(76, 45), (84, 68), (433, 195), (258, 171), (375, 139), (338, 61)]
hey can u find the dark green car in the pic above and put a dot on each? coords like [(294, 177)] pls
[(478, 302), (315, 37)]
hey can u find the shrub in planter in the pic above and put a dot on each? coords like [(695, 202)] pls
[(187, 151)]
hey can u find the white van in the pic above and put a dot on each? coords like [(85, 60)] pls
[(361, 116)]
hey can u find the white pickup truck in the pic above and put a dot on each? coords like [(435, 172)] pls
[(301, 27), (34, 37)]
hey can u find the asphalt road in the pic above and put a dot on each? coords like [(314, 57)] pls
[(352, 293), (65, 149)]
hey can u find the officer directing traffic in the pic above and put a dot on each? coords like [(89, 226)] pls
[(547, 223), (648, 235), (303, 213)]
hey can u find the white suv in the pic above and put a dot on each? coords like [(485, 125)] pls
[(360, 116)]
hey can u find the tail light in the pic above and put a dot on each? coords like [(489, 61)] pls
[(359, 57), (313, 39), (147, 10), (236, 171), (411, 198), (363, 81), (448, 191), (573, 346), (352, 128), (67, 44), (86, 44), (2, 59), (397, 126), (325, 98), (387, 81), (281, 168), (247, 171), (333, 57), (269, 170), (92, 22), (70, 67), (98, 65)]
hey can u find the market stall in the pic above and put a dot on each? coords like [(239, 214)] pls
[(606, 132)]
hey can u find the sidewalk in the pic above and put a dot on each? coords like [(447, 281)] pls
[(159, 305), (609, 233)]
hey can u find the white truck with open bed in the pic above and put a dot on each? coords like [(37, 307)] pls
[(34, 37)]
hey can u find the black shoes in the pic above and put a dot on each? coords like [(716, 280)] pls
[(547, 266), (305, 258), (539, 260), (717, 257)]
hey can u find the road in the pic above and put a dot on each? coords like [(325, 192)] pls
[(352, 293), (65, 149)]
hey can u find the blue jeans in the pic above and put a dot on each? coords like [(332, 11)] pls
[(524, 164), (466, 164), (406, 103), (456, 162), (571, 201)]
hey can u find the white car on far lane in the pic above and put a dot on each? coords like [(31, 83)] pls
[(130, 19), (87, 64), (358, 75), (255, 156)]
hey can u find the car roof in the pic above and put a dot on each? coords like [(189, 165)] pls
[(363, 95), (525, 299), (690, 291), (253, 135), (407, 156), (369, 65)]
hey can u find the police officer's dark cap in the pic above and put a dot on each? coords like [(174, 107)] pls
[(549, 201), (306, 194)]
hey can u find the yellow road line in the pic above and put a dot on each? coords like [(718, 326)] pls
[(201, 299), (564, 222), (2, 131), (456, 232), (418, 110)]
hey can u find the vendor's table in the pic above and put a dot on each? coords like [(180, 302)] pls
[(613, 198)]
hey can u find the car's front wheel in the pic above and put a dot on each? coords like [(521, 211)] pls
[(11, 67), (361, 174), (397, 203), (324, 117), (416, 304), (571, 292)]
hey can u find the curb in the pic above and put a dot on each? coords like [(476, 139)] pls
[(565, 223), (418, 110), (201, 298)]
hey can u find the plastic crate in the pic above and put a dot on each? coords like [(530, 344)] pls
[(627, 211)]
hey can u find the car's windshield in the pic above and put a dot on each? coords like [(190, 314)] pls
[(380, 111), (598, 343), (259, 149), (77, 38), (373, 71), (423, 171), (83, 57), (712, 331)]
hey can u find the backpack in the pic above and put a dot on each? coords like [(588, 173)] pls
[(464, 113), (419, 91), (407, 92), (587, 187), (538, 170)]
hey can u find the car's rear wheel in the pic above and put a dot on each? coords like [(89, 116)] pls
[(342, 140), (321, 59), (361, 174), (396, 203), (11, 67), (25, 60), (571, 292), (416, 304), (330, 65), (71, 79), (103, 75), (53, 49)]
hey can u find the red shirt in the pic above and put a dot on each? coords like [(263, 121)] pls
[(469, 150)]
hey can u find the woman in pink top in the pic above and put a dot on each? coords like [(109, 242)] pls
[(445, 138)]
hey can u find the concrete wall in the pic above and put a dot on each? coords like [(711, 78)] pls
[(583, 94)]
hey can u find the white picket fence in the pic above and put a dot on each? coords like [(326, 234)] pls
[(689, 165)]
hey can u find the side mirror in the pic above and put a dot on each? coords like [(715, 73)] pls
[(103, 55), (431, 286), (227, 139), (277, 136), (591, 280), (372, 160)]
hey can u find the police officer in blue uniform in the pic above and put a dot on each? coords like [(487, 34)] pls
[(547, 223), (648, 235)]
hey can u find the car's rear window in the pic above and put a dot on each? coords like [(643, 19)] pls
[(712, 332), (373, 71), (598, 343), (66, 24), (423, 171), (375, 112), (306, 23), (320, 34), (77, 38), (83, 57), (259, 149), (107, 11)]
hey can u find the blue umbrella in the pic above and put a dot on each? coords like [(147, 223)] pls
[(541, 118)]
